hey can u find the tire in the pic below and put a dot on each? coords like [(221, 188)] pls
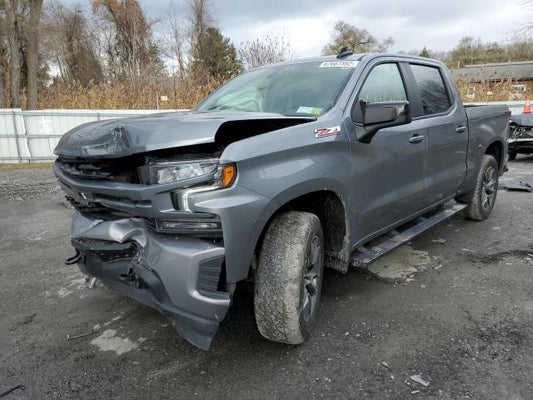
[(289, 277), (485, 191), (512, 155)]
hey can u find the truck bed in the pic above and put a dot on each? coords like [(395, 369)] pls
[(485, 121)]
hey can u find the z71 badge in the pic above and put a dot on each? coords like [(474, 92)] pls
[(325, 132)]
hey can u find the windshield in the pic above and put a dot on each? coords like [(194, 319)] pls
[(293, 89)]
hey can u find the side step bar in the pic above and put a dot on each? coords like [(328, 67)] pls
[(364, 255)]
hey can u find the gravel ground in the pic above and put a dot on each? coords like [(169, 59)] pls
[(27, 183), (464, 323)]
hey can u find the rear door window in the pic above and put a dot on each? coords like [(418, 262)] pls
[(431, 88)]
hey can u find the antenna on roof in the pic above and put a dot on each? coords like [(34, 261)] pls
[(344, 52)]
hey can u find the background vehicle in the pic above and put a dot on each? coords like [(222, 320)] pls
[(283, 171), (520, 135)]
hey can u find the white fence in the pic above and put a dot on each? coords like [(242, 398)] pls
[(32, 135), (27, 136)]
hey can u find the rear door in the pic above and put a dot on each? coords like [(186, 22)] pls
[(388, 173), (442, 121)]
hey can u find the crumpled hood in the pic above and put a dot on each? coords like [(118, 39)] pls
[(126, 136)]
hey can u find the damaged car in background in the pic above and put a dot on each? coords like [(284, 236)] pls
[(283, 171), (520, 135)]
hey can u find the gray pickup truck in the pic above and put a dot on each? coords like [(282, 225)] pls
[(283, 171)]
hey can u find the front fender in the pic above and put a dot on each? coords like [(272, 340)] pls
[(244, 214), (273, 169)]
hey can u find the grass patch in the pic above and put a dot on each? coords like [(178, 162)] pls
[(32, 165)]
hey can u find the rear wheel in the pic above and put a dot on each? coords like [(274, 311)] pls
[(289, 277), (485, 191)]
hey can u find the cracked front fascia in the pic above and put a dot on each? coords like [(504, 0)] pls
[(175, 261)]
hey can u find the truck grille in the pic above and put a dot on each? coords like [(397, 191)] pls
[(123, 170)]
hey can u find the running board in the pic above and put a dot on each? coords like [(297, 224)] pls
[(364, 255)]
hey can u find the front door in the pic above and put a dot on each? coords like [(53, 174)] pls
[(389, 176)]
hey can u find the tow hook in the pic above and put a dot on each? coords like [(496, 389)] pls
[(74, 259), (131, 276)]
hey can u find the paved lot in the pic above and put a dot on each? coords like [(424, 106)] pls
[(464, 322)]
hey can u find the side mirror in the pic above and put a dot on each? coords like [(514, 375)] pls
[(371, 117)]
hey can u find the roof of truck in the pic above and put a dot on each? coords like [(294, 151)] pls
[(354, 57)]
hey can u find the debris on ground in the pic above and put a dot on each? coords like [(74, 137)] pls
[(384, 363), (516, 187), (439, 241), (418, 379), (13, 389), (91, 282), (108, 341), (80, 336)]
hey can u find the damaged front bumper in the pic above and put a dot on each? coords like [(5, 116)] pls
[(176, 275)]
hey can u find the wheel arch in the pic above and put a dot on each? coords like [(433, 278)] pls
[(330, 208), (496, 149)]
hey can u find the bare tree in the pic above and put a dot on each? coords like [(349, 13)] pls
[(177, 42), (14, 51), (3, 100), (68, 42), (359, 40), (33, 52), (133, 45), (268, 50), (469, 50), (200, 19), (520, 47)]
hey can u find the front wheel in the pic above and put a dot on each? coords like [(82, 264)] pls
[(485, 190), (289, 277)]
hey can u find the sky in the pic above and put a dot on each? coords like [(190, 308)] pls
[(307, 24)]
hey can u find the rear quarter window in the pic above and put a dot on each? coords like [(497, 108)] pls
[(431, 88)]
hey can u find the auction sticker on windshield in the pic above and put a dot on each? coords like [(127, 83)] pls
[(338, 64), (309, 110)]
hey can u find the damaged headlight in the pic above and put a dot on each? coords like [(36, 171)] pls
[(221, 175), (520, 132), (171, 171), (223, 178), (215, 176)]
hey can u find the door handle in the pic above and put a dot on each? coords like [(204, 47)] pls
[(416, 138), (460, 129)]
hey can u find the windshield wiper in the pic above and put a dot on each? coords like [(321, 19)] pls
[(303, 115), (217, 107)]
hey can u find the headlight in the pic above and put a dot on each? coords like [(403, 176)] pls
[(170, 171), (520, 132), (215, 176), (224, 177)]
